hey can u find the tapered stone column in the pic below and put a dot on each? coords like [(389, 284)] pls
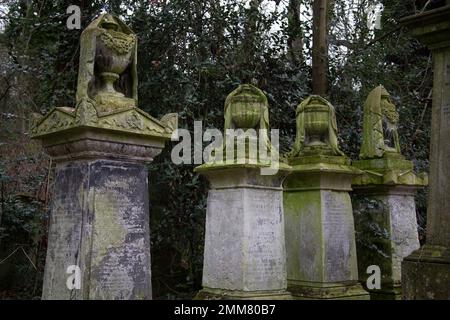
[(385, 221), (99, 237), (426, 272), (100, 213), (320, 235), (245, 255)]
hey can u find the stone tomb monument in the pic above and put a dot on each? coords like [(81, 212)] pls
[(100, 212), (426, 272), (320, 240), (383, 202), (244, 254)]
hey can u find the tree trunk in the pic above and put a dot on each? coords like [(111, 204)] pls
[(295, 32), (2, 202), (248, 54), (320, 48)]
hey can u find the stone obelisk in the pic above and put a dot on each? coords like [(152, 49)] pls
[(320, 235), (98, 244), (426, 272), (245, 254)]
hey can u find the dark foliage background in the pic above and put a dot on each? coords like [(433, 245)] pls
[(191, 55)]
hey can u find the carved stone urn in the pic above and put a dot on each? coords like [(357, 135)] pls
[(246, 108), (316, 124), (113, 55)]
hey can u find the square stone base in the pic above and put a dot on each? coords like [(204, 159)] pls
[(320, 234), (426, 274), (386, 233), (351, 290), (99, 223), (394, 293), (245, 254), (220, 294)]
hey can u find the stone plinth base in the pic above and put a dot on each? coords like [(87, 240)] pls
[(244, 239), (385, 219), (393, 293), (351, 290), (426, 274), (386, 232), (99, 222), (99, 219), (218, 294), (320, 235)]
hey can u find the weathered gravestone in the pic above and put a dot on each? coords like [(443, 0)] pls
[(426, 272), (244, 254), (100, 210), (383, 202), (320, 239)]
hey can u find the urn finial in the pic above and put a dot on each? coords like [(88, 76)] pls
[(107, 74), (316, 129), (380, 136)]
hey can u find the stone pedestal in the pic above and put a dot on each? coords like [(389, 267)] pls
[(99, 215), (320, 239), (426, 272), (245, 254), (385, 220)]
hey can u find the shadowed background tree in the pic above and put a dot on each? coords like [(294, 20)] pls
[(191, 54), (320, 47)]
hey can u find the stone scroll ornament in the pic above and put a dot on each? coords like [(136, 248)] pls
[(380, 134), (99, 222)]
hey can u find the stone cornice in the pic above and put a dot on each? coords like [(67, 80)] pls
[(431, 27), (130, 120)]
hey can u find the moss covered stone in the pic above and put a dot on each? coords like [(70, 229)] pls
[(99, 216), (426, 271), (245, 255), (383, 197), (320, 243)]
